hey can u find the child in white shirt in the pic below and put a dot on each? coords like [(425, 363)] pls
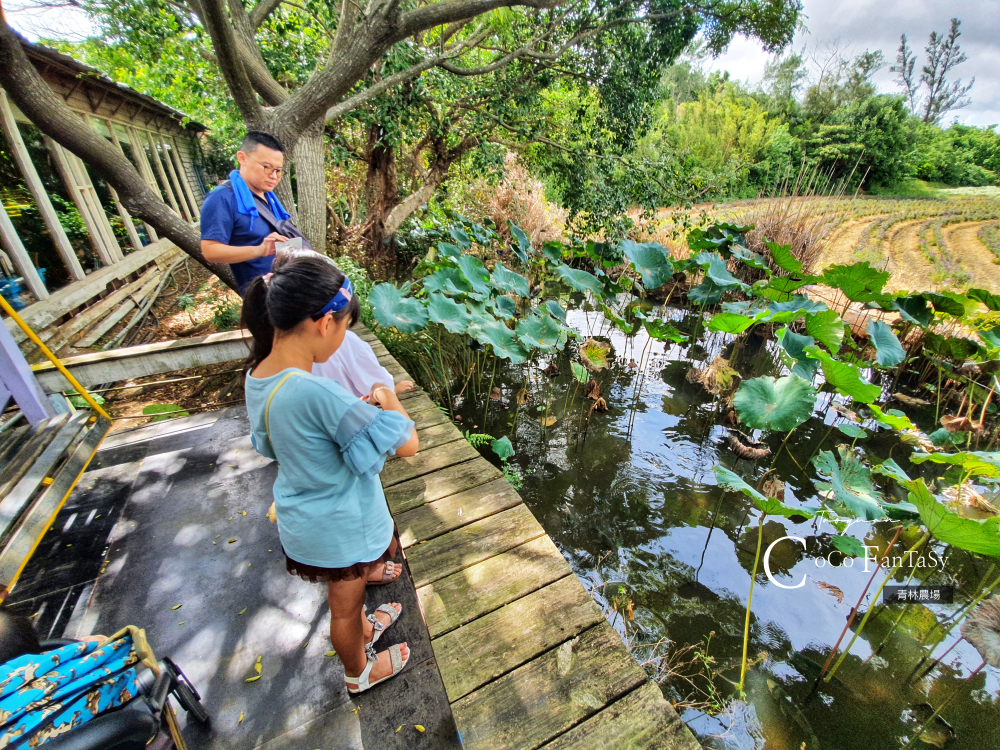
[(355, 367)]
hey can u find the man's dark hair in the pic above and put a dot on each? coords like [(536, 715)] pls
[(255, 138)]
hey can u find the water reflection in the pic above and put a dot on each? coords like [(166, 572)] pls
[(630, 498)]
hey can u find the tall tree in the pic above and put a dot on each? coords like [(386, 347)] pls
[(345, 71), (931, 96)]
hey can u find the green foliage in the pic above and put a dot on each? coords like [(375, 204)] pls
[(160, 412), (453, 316), (850, 485), (502, 448), (395, 311), (80, 402), (982, 537), (845, 377), (768, 505), (651, 260), (888, 351), (479, 439), (774, 404)]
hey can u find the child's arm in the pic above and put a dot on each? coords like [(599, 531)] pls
[(386, 398)]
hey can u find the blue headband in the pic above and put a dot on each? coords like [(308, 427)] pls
[(340, 300)]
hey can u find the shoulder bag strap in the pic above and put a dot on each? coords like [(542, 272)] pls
[(267, 408)]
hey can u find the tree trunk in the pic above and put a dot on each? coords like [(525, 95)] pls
[(51, 116), (310, 179), (381, 196)]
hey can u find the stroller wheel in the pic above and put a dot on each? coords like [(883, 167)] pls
[(186, 697)]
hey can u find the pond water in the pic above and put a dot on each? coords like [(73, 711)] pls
[(631, 500)]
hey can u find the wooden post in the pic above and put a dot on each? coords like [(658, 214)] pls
[(150, 231), (181, 198), (96, 221), (155, 158), (17, 378), (30, 174), (182, 175), (142, 159), (20, 256), (123, 214)]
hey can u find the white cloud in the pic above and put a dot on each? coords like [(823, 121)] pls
[(857, 25)]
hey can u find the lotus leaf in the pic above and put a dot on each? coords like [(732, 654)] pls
[(891, 469), (893, 418), (706, 293), (914, 309), (888, 351), (522, 247), (448, 281), (850, 484), (992, 301), (976, 463), (827, 328), (502, 448), (956, 348), (503, 307), (393, 310), (661, 330), (948, 303), (448, 250), (849, 546), (629, 329), (730, 323), (844, 377), (780, 288), (483, 235), (461, 238), (768, 505), (852, 430), (580, 280), (717, 271), (579, 372), (751, 259), (556, 310), (509, 281), (793, 309), (453, 316), (775, 404), (501, 338), (594, 354), (783, 257), (553, 251), (858, 281), (794, 345), (540, 332), (651, 260), (475, 273), (982, 537)]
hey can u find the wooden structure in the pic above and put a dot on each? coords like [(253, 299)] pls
[(527, 658), (157, 139)]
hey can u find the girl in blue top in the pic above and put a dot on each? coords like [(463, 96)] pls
[(332, 516)]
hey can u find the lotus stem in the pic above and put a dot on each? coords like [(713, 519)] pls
[(899, 619), (854, 610), (447, 380), (775, 461), (746, 624), (920, 542), (937, 409), (489, 393)]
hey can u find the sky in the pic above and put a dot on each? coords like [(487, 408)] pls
[(851, 26)]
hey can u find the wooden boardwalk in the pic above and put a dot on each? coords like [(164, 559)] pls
[(527, 658)]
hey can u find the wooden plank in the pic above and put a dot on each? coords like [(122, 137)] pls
[(150, 231), (37, 189), (534, 703), (182, 172), (472, 544), (12, 472), (63, 301), (150, 282), (11, 438), (418, 403), (15, 249), (484, 649), (14, 501), (172, 173), (154, 157), (462, 597), (434, 519), (641, 720), (432, 437), (123, 214), (426, 462), (58, 336), (36, 521), (428, 417), (141, 361), (89, 193), (427, 489)]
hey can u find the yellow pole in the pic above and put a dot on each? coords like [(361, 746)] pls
[(52, 358)]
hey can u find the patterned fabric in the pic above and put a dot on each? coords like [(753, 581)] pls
[(43, 696)]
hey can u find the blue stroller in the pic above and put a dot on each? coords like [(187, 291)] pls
[(81, 695)]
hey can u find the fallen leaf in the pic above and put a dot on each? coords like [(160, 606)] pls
[(523, 396), (355, 710), (244, 513), (910, 400), (214, 542), (252, 679), (249, 564), (231, 541), (593, 390), (230, 518), (218, 535), (242, 611), (495, 394), (419, 728), (831, 590), (552, 369), (182, 622), (957, 424), (331, 653), (177, 606), (400, 727), (547, 421), (240, 720), (305, 644)]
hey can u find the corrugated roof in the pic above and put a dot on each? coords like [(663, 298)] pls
[(41, 55)]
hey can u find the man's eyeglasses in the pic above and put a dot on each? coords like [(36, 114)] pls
[(268, 169)]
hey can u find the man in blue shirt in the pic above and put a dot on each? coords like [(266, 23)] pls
[(232, 230)]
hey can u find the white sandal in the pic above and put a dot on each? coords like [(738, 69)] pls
[(388, 574), (378, 626), (360, 683)]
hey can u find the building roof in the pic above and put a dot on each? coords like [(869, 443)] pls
[(49, 61)]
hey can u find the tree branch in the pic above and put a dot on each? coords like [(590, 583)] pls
[(261, 11), (230, 61)]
